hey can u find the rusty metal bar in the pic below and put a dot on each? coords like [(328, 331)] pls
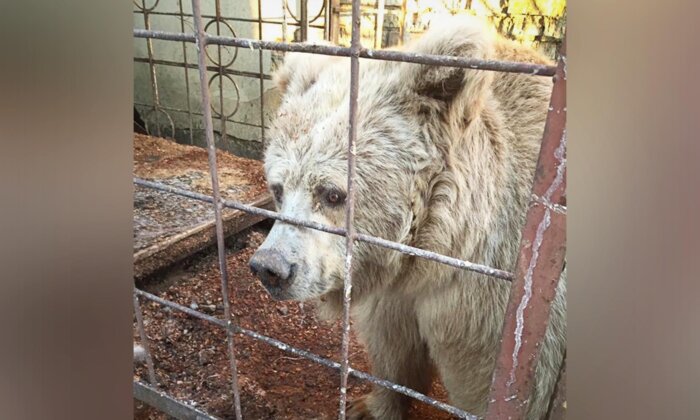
[(187, 73), (387, 55), (405, 249), (168, 404), (379, 25), (144, 342), (211, 149), (335, 21), (170, 108), (308, 355), (284, 20), (304, 20), (540, 263), (228, 71), (151, 66), (262, 81), (219, 69), (327, 20), (272, 21), (350, 203)]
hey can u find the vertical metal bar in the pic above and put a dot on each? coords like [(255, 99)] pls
[(378, 30), (350, 203), (221, 71), (304, 20), (152, 67), (144, 342), (187, 73), (285, 6), (404, 22), (262, 81), (327, 20), (211, 149), (540, 263), (335, 21)]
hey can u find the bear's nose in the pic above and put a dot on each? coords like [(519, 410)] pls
[(272, 268)]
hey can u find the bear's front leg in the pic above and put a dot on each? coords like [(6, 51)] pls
[(387, 325)]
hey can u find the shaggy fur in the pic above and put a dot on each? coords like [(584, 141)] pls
[(445, 162)]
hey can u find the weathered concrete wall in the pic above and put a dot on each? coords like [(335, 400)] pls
[(241, 94)]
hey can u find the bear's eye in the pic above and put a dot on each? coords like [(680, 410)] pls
[(331, 196), (277, 192)]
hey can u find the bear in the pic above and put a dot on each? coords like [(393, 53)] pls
[(445, 159)]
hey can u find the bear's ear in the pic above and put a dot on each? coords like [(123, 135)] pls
[(461, 89), (300, 71)]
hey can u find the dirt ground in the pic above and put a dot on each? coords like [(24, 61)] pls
[(159, 215), (191, 360)]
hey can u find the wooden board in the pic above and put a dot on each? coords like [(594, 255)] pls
[(168, 227)]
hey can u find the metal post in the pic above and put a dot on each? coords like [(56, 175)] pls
[(350, 203), (262, 81), (187, 74), (144, 342), (211, 149), (151, 66), (379, 28), (304, 20), (540, 263)]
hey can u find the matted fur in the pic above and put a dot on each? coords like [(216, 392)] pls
[(445, 162)]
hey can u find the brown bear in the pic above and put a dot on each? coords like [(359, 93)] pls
[(445, 162)]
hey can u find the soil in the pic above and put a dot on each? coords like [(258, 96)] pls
[(158, 215), (190, 355)]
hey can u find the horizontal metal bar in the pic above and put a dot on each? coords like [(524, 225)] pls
[(165, 36), (210, 68), (167, 404), (409, 250), (199, 114), (309, 355), (387, 55), (267, 21)]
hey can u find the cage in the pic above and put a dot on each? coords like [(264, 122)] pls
[(203, 78)]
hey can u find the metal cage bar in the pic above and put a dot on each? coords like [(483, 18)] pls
[(262, 79), (542, 245), (387, 55), (308, 355), (168, 404), (350, 204), (152, 68), (144, 342), (187, 73), (539, 266), (211, 149), (409, 250)]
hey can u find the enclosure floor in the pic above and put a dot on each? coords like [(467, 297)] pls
[(159, 215), (192, 364), (168, 227)]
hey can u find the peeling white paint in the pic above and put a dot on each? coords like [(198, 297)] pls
[(520, 313), (559, 178), (539, 237)]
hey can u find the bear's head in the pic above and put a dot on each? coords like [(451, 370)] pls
[(407, 116)]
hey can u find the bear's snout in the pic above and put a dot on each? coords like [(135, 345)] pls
[(274, 271)]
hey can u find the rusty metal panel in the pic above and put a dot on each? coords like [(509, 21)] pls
[(537, 272)]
